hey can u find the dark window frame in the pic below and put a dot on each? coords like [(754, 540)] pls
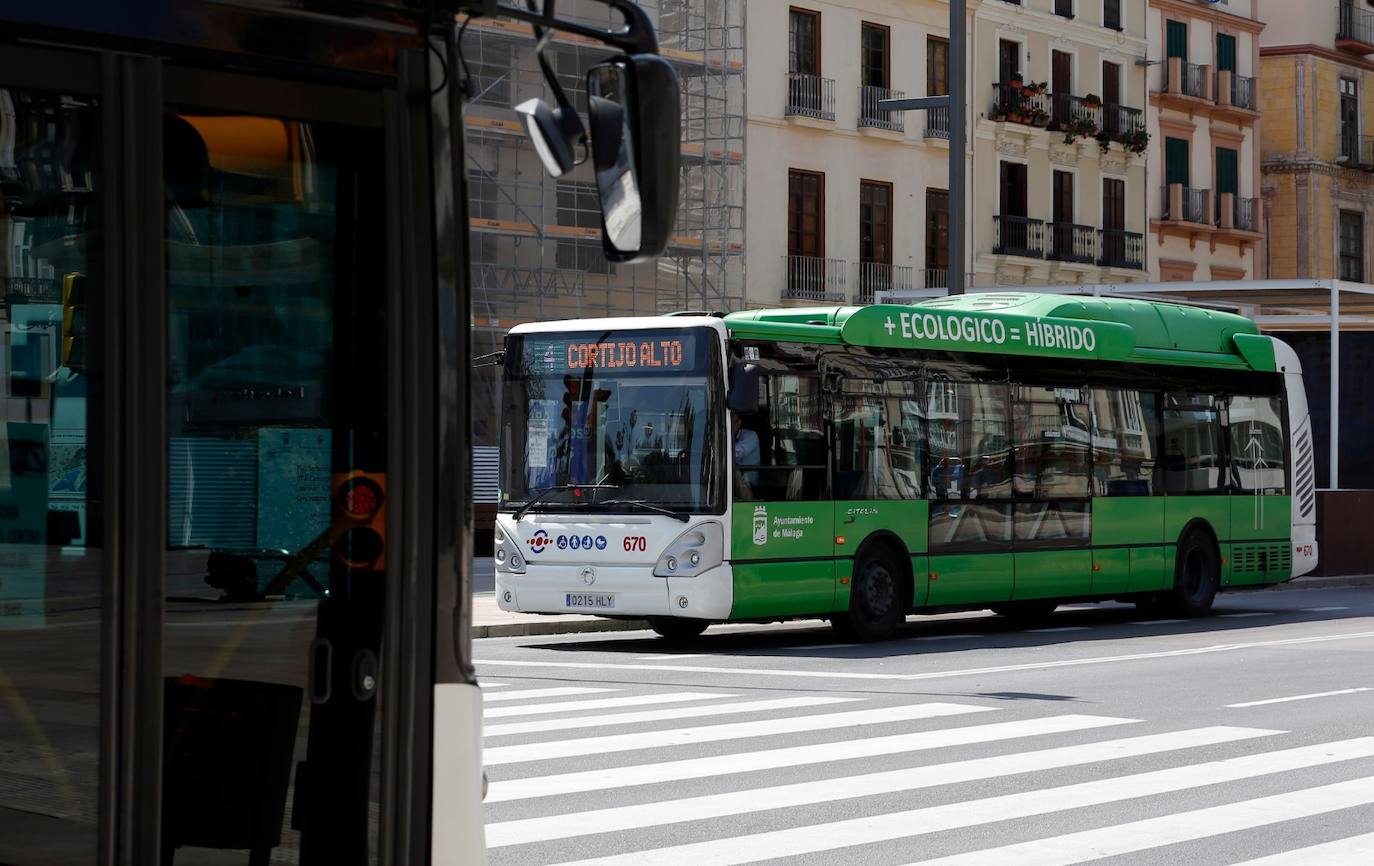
[(1351, 249), (795, 13), (866, 185), (865, 67), (797, 249)]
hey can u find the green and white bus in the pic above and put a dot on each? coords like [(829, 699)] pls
[(1011, 451)]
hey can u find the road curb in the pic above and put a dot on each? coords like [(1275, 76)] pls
[(538, 627)]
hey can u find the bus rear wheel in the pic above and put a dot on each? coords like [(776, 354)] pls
[(1197, 577), (676, 628), (877, 599)]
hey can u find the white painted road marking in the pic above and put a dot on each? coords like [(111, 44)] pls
[(660, 715), (840, 722), (601, 704), (1355, 851), (889, 826), (935, 675), (656, 814), (1189, 826), (560, 692), (790, 756), (1326, 609), (1245, 615), (488, 684), (1296, 698)]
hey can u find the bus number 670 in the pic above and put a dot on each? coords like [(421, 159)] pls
[(635, 543)]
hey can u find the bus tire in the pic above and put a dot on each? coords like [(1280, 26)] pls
[(877, 598), (1197, 576), (1025, 612), (677, 628)]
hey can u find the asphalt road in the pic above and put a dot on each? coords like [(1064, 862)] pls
[(1244, 738)]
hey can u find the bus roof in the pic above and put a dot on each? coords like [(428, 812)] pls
[(1027, 323)]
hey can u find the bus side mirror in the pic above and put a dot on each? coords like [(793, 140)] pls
[(744, 389), (633, 105)]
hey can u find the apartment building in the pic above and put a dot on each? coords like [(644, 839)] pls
[(1058, 190), (1206, 216), (843, 199), (1317, 69)]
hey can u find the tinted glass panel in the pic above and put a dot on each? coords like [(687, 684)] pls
[(1192, 444), (277, 487), (50, 493), (969, 454), (792, 444), (878, 441), (965, 526), (1052, 524), (1125, 442), (1052, 435), (1259, 456)]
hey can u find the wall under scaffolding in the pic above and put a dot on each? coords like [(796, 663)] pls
[(536, 248)]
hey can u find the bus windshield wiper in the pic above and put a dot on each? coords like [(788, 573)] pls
[(547, 491), (649, 506)]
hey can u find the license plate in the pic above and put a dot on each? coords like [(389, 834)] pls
[(591, 600)]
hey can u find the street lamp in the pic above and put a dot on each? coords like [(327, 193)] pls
[(956, 102)]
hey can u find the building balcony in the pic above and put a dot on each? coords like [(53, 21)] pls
[(873, 277), (1020, 105), (937, 123), (1184, 204), (1072, 243), (1118, 120), (1239, 220), (1018, 236), (1069, 112), (1118, 248), (1237, 98), (873, 117), (809, 278), (1185, 84), (1355, 29), (1356, 151), (936, 278), (810, 96)]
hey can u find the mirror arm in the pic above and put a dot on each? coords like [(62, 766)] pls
[(637, 36)]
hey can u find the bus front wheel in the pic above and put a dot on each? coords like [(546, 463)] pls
[(674, 628), (877, 599)]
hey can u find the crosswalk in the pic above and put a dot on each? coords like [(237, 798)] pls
[(618, 779)]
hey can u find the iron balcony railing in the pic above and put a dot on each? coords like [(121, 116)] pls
[(810, 278), (1118, 120), (1019, 105), (1118, 248), (1242, 92), (1356, 24), (810, 96), (873, 277), (872, 116), (1072, 243), (1193, 208), (937, 278), (1068, 110), (1356, 151), (1245, 215), (937, 123), (1018, 236), (1191, 80)]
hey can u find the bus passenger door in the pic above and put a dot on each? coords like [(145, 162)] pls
[(783, 526)]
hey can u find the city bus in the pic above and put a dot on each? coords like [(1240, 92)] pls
[(1003, 450)]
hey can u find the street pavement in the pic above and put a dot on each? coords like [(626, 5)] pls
[(1100, 736)]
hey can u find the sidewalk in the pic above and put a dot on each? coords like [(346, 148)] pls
[(488, 620)]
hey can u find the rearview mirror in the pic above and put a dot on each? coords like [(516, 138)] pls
[(744, 389), (633, 105)]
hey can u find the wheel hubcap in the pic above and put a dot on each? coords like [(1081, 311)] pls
[(876, 591)]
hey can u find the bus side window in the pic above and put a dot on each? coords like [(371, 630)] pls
[(1192, 444), (793, 448), (1126, 435), (1258, 451), (877, 446)]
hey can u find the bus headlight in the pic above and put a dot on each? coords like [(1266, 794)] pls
[(508, 558), (697, 550)]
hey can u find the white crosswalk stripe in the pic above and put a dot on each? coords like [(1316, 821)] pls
[(830, 790), (529, 694), (1354, 851), (793, 756), (497, 755), (1171, 829), (601, 704), (821, 837), (660, 715), (488, 684)]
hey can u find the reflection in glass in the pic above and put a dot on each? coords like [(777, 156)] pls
[(276, 457), (1053, 523), (1258, 454), (50, 501), (1052, 435), (969, 457), (878, 440), (1192, 444), (793, 447), (969, 527), (1125, 442)]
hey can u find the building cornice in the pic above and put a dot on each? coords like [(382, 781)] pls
[(1324, 53), (1312, 166), (1049, 24), (1213, 14)]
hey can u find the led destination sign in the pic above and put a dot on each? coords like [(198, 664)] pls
[(622, 352)]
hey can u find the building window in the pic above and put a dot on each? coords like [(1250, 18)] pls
[(874, 56), (1228, 174), (1008, 60), (1176, 39), (937, 66), (1063, 8), (804, 42), (875, 221), (1352, 246), (579, 206), (1350, 119), (1113, 203), (805, 213), (1226, 53), (1111, 14), (937, 238), (1176, 168), (1014, 197)]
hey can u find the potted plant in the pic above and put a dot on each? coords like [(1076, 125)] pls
[(1016, 82), (1136, 140), (1104, 140), (1092, 101), (1078, 126), (1038, 116)]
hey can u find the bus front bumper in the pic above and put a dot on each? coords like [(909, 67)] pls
[(616, 591)]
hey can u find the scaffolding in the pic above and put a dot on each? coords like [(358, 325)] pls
[(536, 241)]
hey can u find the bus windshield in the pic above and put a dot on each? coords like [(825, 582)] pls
[(632, 414)]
